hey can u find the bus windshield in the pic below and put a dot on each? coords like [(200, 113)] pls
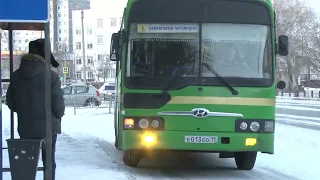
[(238, 52), (233, 50)]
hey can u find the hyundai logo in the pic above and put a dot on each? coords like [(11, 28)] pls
[(200, 112)]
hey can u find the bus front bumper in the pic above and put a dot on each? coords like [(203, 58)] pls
[(169, 140)]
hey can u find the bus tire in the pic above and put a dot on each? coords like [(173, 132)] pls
[(245, 160), (131, 158)]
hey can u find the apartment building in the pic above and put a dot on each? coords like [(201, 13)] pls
[(100, 21)]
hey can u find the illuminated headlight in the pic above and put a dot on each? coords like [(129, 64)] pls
[(243, 126), (155, 123), (254, 126), (109, 94), (143, 123), (128, 123)]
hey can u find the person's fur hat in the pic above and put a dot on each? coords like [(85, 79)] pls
[(37, 47)]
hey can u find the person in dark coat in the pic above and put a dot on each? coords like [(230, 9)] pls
[(26, 97)]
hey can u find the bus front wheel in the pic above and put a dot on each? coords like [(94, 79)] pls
[(131, 158), (245, 160)]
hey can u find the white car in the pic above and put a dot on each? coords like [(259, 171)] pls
[(107, 90)]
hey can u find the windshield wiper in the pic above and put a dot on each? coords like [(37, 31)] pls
[(175, 78), (233, 91)]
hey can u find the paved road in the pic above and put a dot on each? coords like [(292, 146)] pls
[(295, 150), (296, 144), (300, 113)]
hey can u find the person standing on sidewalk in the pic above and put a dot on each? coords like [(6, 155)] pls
[(26, 97)]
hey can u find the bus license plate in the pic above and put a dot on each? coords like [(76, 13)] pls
[(201, 139)]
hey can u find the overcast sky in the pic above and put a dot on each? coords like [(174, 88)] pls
[(315, 4)]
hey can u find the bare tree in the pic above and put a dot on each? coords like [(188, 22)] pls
[(101, 67), (62, 56), (5, 39), (314, 43), (5, 65), (5, 36), (296, 20)]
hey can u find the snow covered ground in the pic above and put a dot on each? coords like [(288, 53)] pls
[(85, 151), (79, 153), (301, 97), (302, 113)]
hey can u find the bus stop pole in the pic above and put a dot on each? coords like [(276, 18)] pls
[(1, 106), (47, 76), (11, 72)]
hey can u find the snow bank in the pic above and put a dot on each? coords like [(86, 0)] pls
[(298, 98), (78, 155)]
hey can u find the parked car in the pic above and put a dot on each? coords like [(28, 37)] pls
[(81, 95), (108, 89)]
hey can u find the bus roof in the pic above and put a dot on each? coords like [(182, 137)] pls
[(268, 2)]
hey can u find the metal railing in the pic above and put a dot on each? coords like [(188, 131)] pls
[(84, 101), (306, 95)]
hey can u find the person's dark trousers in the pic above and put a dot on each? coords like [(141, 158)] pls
[(54, 140)]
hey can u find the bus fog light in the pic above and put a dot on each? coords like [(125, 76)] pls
[(155, 123), (251, 141), (143, 123), (254, 126), (148, 139), (269, 126), (243, 126)]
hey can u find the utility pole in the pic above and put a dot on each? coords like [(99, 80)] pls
[(65, 63), (83, 49), (74, 65)]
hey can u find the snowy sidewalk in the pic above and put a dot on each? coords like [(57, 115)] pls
[(81, 153)]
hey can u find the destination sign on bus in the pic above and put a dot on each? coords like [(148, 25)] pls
[(168, 28)]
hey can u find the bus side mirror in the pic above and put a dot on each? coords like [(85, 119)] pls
[(115, 46), (281, 85), (283, 45)]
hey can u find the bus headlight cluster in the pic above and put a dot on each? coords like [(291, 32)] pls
[(243, 125), (155, 123), (261, 126), (144, 123), (254, 126)]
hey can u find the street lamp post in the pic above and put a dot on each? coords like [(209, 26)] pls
[(83, 48)]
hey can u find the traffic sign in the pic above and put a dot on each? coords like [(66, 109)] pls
[(24, 11), (65, 70)]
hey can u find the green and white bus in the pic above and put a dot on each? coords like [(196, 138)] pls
[(197, 76)]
